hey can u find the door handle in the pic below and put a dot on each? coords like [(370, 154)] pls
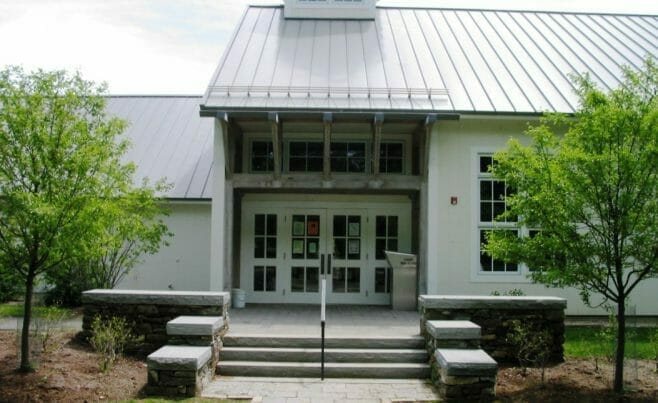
[(328, 263), (322, 264)]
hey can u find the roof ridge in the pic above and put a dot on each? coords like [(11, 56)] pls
[(153, 96), (419, 7)]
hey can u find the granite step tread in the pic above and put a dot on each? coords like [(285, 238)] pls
[(332, 369), (245, 340), (331, 354)]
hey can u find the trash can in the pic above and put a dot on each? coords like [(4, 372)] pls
[(238, 298), (404, 280)]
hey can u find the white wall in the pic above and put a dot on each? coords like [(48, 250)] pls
[(452, 237), (185, 263)]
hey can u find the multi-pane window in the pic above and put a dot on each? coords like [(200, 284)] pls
[(386, 235), (348, 157), (391, 157), (383, 280), (488, 263), (346, 280), (386, 238), (305, 237), (492, 203), (264, 278), (305, 156), (262, 156), (304, 279), (265, 236), (347, 237)]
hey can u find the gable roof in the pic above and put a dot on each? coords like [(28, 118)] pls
[(415, 59), (169, 140)]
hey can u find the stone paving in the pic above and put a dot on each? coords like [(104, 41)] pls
[(304, 390)]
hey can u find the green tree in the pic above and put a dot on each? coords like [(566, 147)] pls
[(132, 227), (61, 175), (592, 193)]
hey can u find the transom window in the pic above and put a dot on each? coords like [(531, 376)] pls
[(262, 156), (348, 157), (391, 157), (492, 203), (305, 156)]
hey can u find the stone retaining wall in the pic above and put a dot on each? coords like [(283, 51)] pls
[(149, 311), (495, 314)]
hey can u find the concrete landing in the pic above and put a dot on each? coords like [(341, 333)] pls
[(289, 390), (304, 320)]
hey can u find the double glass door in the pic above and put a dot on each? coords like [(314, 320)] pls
[(326, 244), (287, 251)]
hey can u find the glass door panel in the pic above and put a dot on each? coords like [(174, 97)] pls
[(306, 244), (348, 258)]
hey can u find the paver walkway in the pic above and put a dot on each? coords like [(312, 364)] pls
[(304, 390)]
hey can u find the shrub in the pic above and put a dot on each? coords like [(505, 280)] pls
[(67, 286), (47, 320), (110, 337), (532, 345), (654, 343)]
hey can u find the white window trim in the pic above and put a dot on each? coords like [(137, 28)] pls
[(476, 275)]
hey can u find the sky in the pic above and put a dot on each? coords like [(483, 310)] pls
[(173, 46)]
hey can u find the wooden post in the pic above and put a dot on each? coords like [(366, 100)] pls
[(327, 119), (229, 149), (376, 142), (273, 117), (429, 125)]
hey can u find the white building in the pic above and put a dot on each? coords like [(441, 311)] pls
[(337, 128)]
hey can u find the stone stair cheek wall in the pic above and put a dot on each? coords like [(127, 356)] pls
[(149, 311), (494, 315)]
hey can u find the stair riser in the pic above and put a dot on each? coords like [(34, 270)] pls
[(314, 372), (302, 356), (305, 342)]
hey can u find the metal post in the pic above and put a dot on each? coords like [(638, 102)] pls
[(322, 325)]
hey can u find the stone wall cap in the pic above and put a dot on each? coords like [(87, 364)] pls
[(194, 325), (209, 298), (179, 358), (484, 302), (453, 329), (465, 362)]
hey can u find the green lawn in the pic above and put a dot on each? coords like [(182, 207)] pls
[(16, 311), (586, 342)]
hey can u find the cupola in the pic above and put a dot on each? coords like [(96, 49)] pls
[(330, 9)]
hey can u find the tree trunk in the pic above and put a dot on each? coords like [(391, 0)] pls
[(27, 317), (618, 386)]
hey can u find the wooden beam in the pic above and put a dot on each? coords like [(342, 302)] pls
[(275, 126), (229, 158), (327, 119), (376, 142), (425, 149), (313, 183)]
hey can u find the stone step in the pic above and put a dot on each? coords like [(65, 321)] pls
[(194, 325), (409, 342), (331, 370), (453, 329), (290, 354)]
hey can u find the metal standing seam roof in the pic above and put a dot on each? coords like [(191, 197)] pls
[(417, 59), (169, 140)]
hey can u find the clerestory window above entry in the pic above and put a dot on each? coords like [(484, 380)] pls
[(330, 9)]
